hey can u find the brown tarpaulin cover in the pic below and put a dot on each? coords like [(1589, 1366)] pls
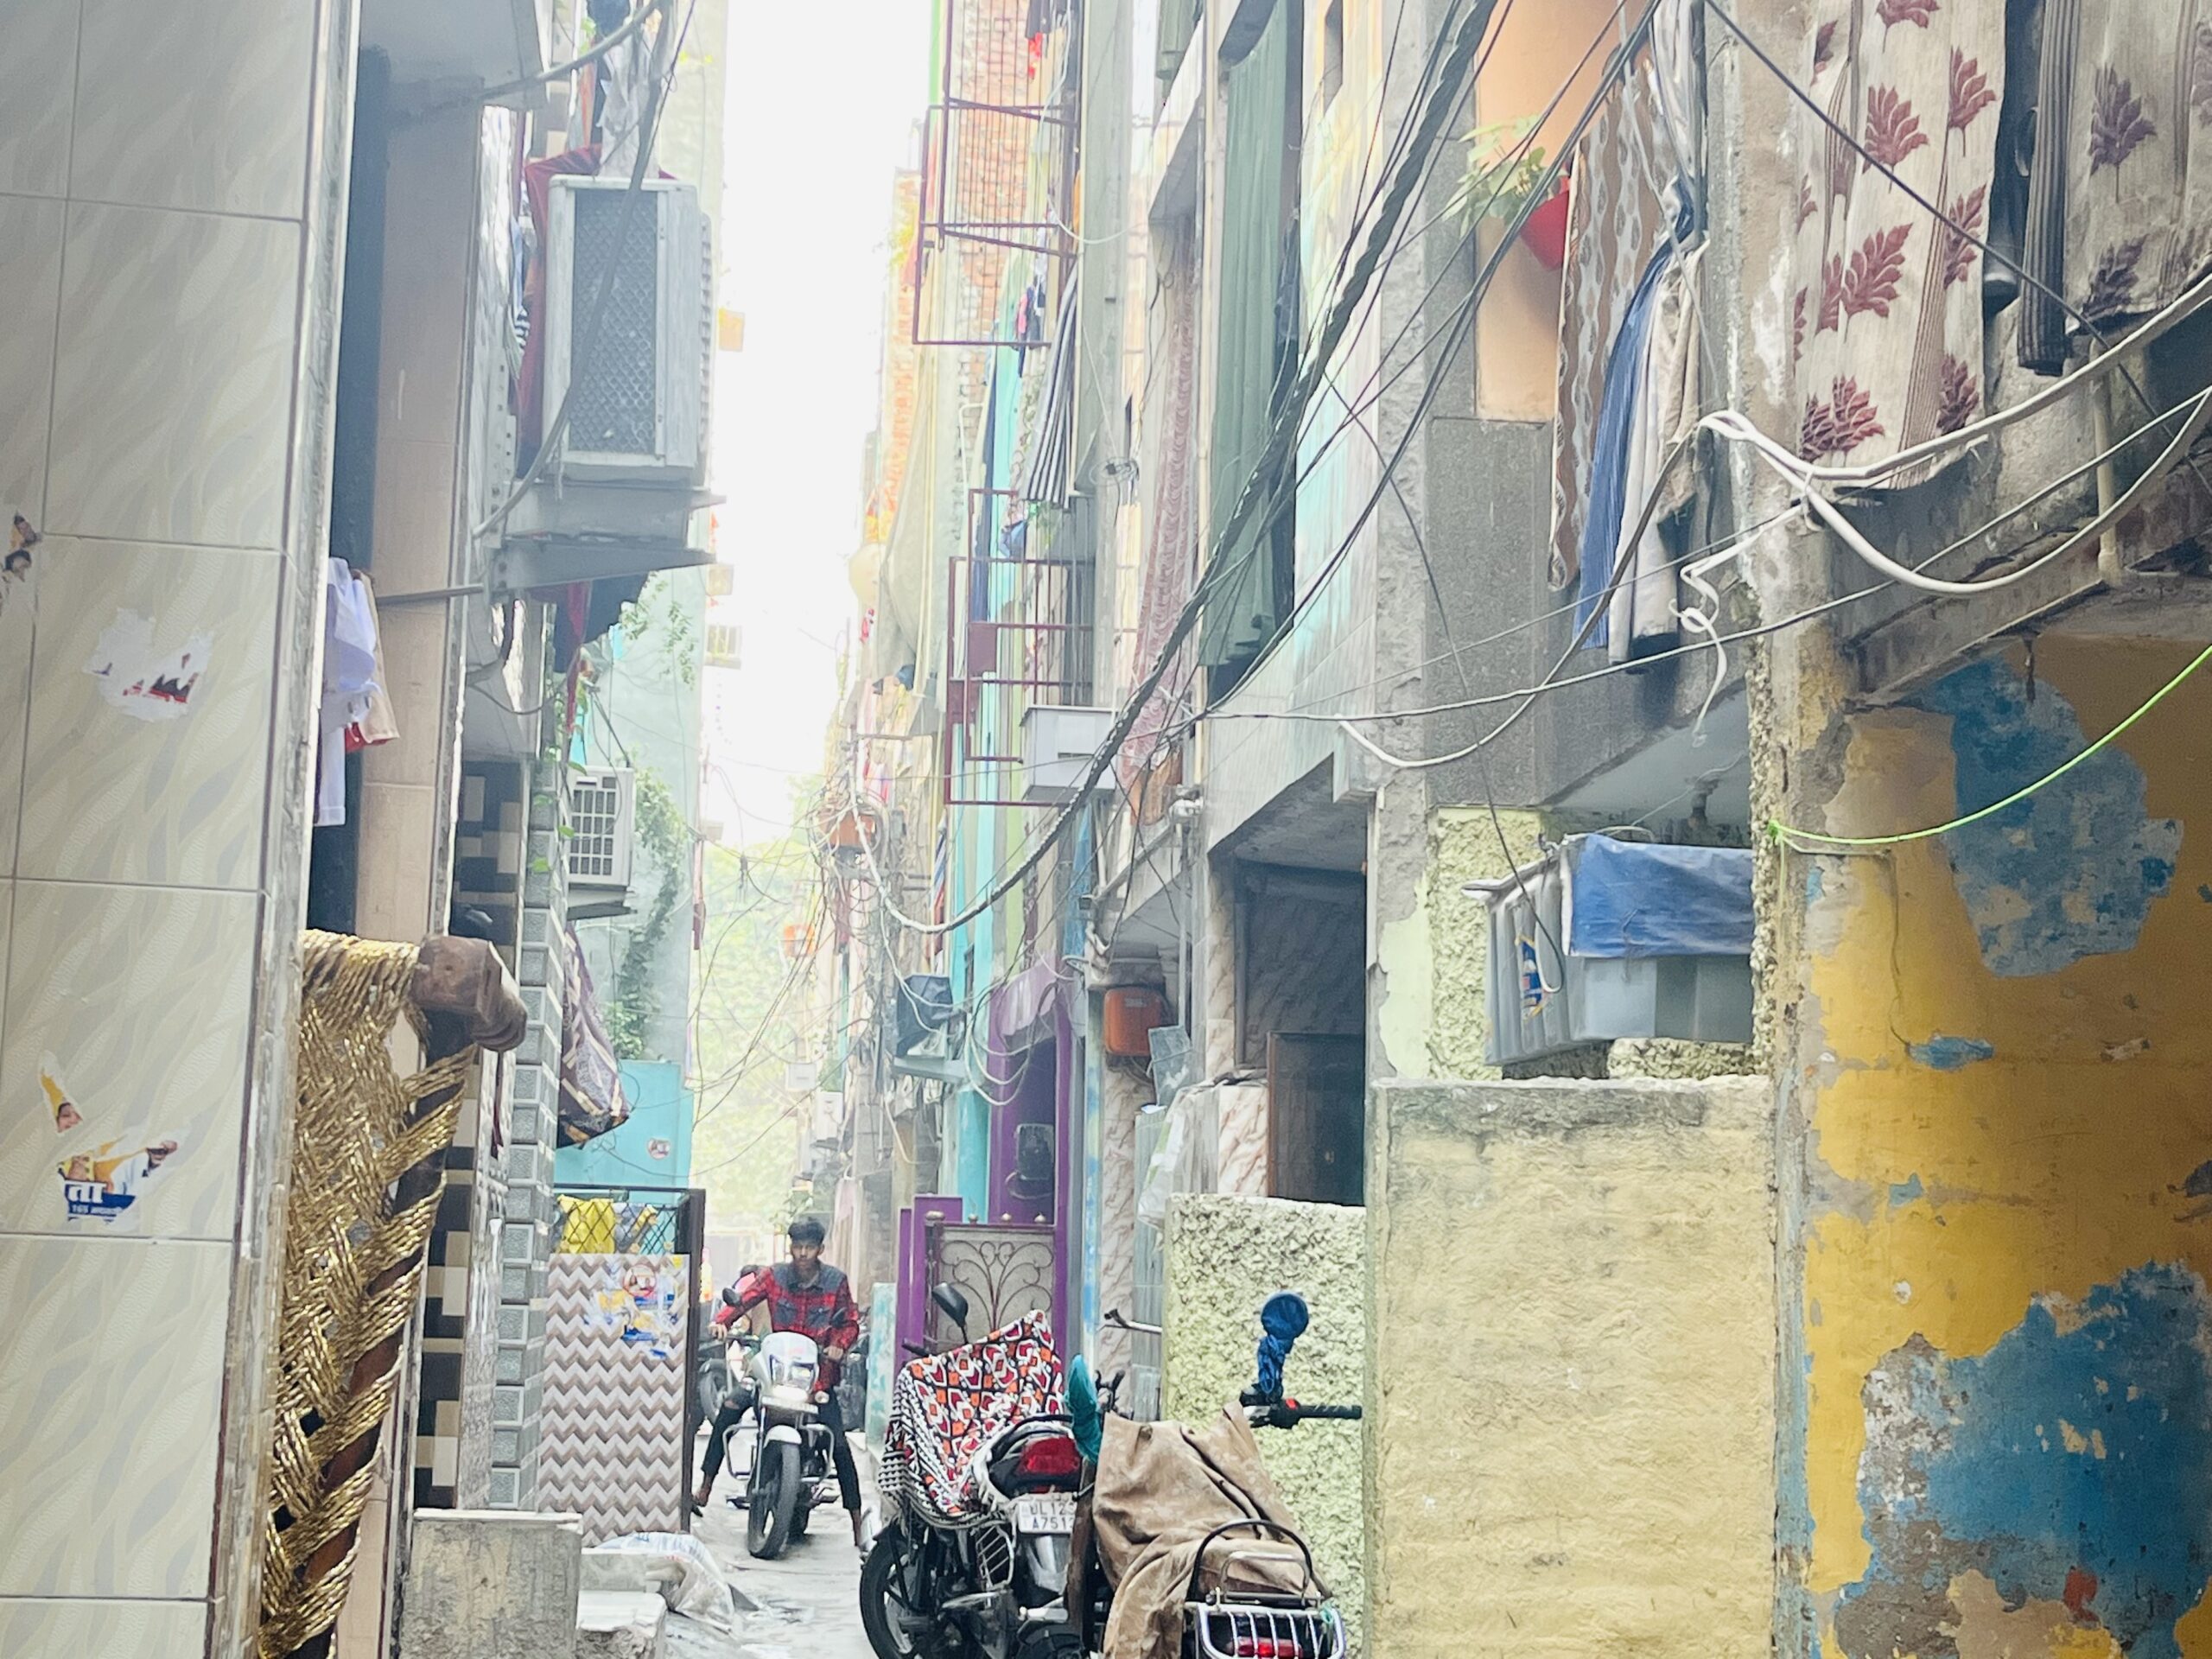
[(1162, 1488)]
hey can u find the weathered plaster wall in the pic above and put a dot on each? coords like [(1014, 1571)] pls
[(1225, 1256), (1571, 1334), (1997, 1191)]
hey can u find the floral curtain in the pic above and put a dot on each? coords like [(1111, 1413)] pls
[(1886, 307), (2138, 161)]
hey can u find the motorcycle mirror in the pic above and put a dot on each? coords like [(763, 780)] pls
[(729, 1296), (953, 1305), (1284, 1316)]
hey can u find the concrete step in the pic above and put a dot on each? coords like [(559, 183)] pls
[(620, 1624)]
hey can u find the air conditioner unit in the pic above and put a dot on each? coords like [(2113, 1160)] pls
[(641, 377), (1058, 744), (602, 826)]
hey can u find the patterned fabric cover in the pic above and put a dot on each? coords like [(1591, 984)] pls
[(944, 1408)]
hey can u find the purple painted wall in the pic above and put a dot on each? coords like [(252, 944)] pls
[(914, 1261)]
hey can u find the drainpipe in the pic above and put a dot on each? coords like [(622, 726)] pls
[(2110, 569)]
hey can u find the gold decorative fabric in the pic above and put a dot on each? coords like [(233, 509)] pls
[(364, 1184)]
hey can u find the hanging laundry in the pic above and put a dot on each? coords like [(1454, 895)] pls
[(353, 700), (1641, 619), (1609, 452)]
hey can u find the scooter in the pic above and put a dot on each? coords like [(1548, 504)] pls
[(791, 1470), (1227, 1619), (973, 1558)]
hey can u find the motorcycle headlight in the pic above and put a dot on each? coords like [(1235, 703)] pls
[(791, 1374)]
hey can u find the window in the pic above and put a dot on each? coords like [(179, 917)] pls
[(721, 580), (722, 642), (1332, 52)]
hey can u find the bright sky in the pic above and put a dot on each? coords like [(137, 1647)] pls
[(822, 105)]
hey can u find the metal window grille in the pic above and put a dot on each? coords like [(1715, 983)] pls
[(595, 849), (998, 166)]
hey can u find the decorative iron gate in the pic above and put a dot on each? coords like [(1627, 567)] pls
[(1004, 1271)]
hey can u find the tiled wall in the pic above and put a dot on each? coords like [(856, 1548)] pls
[(454, 1426), (166, 262), (533, 1132)]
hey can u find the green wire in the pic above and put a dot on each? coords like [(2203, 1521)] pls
[(1810, 840)]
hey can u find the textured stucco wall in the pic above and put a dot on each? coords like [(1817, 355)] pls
[(1998, 1160), (1571, 1328), (1226, 1255)]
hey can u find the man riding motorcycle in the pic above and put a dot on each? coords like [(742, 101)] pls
[(807, 1296), (738, 1401)]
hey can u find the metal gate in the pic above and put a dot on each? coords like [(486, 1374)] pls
[(623, 1328), (1004, 1271)]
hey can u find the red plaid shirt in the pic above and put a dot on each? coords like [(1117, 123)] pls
[(823, 1310)]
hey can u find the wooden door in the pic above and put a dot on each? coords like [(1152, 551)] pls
[(1317, 1118)]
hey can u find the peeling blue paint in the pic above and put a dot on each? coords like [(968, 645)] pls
[(2070, 871), (1942, 1053), (1906, 1191), (2079, 1444)]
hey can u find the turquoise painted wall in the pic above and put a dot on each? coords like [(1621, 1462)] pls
[(659, 1122)]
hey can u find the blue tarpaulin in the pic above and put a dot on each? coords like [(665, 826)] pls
[(1632, 900)]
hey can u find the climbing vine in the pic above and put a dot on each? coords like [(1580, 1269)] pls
[(662, 832)]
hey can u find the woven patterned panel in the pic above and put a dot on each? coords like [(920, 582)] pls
[(613, 1449), (367, 1171)]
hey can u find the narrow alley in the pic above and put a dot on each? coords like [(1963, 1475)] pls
[(1338, 829)]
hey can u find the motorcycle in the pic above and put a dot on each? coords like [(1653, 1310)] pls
[(792, 1469), (980, 1500), (1277, 1607)]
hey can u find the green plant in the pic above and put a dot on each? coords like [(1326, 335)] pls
[(1504, 171), (657, 611), (664, 834)]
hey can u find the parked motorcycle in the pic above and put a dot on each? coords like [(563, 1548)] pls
[(979, 1472), (1252, 1592), (791, 1470)]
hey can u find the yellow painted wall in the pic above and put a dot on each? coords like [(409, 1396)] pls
[(2001, 1189), (1571, 1350)]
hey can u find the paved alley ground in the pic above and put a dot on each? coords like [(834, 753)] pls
[(803, 1605)]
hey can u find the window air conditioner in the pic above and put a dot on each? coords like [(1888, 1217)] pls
[(641, 379), (602, 824)]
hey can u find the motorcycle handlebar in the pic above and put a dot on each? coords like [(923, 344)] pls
[(1289, 1413)]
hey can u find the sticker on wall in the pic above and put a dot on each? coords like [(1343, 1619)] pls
[(66, 1115), (141, 681), (646, 1309), (15, 566), (660, 1150), (103, 1185)]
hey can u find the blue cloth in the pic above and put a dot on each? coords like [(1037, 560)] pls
[(1633, 900), (1601, 524), (1283, 1319)]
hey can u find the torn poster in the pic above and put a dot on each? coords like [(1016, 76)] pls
[(66, 1115), (102, 1186), (646, 1307), (16, 567), (142, 682)]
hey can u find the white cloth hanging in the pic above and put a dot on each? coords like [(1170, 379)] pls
[(350, 687)]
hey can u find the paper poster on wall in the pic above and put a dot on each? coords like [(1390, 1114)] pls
[(15, 564), (103, 1185), (644, 1306), (143, 681), (66, 1115)]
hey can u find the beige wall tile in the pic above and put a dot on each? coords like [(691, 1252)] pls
[(30, 275), (203, 107), (38, 81), (139, 1001), (113, 797), (95, 1630), (173, 379), (126, 1336)]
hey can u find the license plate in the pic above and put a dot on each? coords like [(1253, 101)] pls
[(1044, 1512)]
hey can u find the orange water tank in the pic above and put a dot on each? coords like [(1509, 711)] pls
[(1132, 1013)]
